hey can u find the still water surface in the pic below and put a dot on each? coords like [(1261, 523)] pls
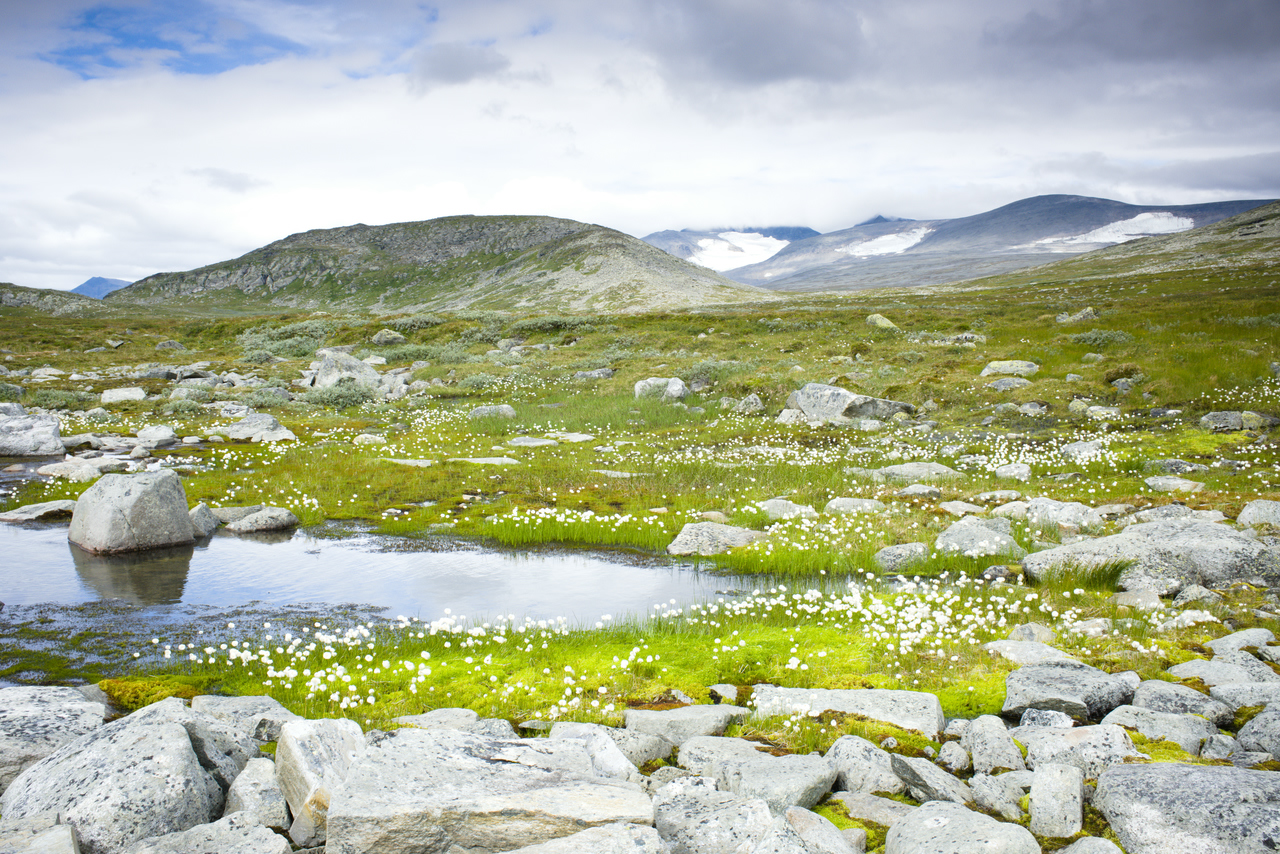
[(422, 580)]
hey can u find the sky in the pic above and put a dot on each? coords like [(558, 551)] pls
[(142, 136)]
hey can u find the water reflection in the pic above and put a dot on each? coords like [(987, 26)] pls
[(159, 578)]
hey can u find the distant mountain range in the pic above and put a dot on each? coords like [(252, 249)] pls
[(496, 262), (890, 252), (98, 287), (727, 248)]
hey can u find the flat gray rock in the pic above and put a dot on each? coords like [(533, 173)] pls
[(1171, 697), (121, 395), (1237, 641), (1010, 367), (975, 537), (460, 719), (1260, 511), (132, 512), (1051, 512), (256, 717), (203, 522), (607, 759), (711, 538), (1168, 555), (486, 461), (1092, 749), (900, 557), (1024, 652), (1187, 731), (607, 839), (1190, 809), (919, 472), (266, 519), (36, 721), (1065, 686), (680, 725), (738, 766), (781, 508), (44, 511), (531, 442), (1246, 694), (821, 402), (1057, 801), (914, 710), (819, 836), (867, 807), (437, 790), (693, 818), (997, 794), (1009, 384), (853, 505), (949, 828), (131, 779), (38, 836), (259, 427), (927, 782), (862, 767), (502, 410), (1091, 845), (1212, 672), (1082, 452), (1262, 733), (238, 833)]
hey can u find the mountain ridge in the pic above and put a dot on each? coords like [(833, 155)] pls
[(99, 286)]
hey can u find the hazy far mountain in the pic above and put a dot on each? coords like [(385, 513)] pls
[(725, 249), (98, 287)]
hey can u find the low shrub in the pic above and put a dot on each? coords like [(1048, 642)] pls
[(1100, 338), (1126, 371), (345, 394), (53, 398), (181, 407), (9, 391), (294, 341), (479, 381), (415, 322), (551, 323)]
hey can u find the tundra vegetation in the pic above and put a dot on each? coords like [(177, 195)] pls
[(1163, 350)]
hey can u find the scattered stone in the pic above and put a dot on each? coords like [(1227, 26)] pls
[(1014, 471), (30, 436), (266, 519), (781, 508), (881, 322), (1092, 749), (203, 521), (749, 405), (1082, 452), (1045, 718), (1013, 367), (900, 557), (853, 505), (666, 388), (949, 828), (975, 537), (597, 374), (1080, 316), (121, 395), (123, 513), (916, 472), (502, 410), (927, 782), (531, 442), (336, 367), (710, 538), (1057, 801), (1187, 731), (862, 767), (1167, 483), (679, 725), (1070, 687), (259, 427), (484, 461), (987, 740), (829, 403), (1009, 384), (44, 511), (738, 766), (619, 838), (693, 818), (387, 337), (961, 508), (920, 490), (1260, 512)]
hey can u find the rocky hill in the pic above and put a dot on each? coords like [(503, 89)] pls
[(57, 303), (494, 262), (893, 253)]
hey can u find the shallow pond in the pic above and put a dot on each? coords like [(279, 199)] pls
[(407, 577)]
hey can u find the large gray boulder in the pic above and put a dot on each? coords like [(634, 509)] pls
[(1262, 733), (973, 536), (666, 388), (947, 828), (435, 790), (1092, 749), (1167, 555), (820, 402), (1057, 801), (607, 759), (259, 718), (620, 838), (1065, 686), (1050, 512), (1187, 731), (692, 817), (335, 367), (711, 538), (237, 833), (738, 766), (1260, 512), (989, 744), (36, 721), (919, 472), (143, 775), (862, 767), (927, 782), (44, 511), (680, 725), (914, 710), (257, 792), (1170, 697), (30, 436), (132, 512), (1191, 809), (312, 761), (1010, 367), (259, 427)]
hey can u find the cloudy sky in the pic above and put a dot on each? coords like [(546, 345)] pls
[(139, 136)]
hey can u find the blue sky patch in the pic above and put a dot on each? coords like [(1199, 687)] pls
[(186, 36)]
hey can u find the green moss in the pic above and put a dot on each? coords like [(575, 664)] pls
[(1244, 714), (835, 812), (133, 692)]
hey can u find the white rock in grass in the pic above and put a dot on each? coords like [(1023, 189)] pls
[(1260, 512), (711, 538), (30, 436), (853, 505), (781, 508), (948, 828)]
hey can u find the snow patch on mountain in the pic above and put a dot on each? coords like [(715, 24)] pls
[(1142, 225), (730, 249), (889, 244)]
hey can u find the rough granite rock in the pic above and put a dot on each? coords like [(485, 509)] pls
[(948, 828), (607, 759), (1024, 652), (1010, 367), (1161, 696), (693, 818), (919, 472), (987, 740), (237, 833), (1057, 801), (1260, 512), (1262, 733), (436, 790), (818, 834), (44, 511), (853, 505), (132, 512), (668, 389), (259, 427), (711, 538), (1092, 749), (30, 436), (976, 537), (997, 794), (680, 725), (1065, 686), (927, 782), (266, 519), (502, 410), (620, 838), (915, 710), (862, 767), (312, 760), (36, 721), (1168, 555), (256, 792), (255, 717), (1191, 809), (738, 766), (900, 557), (821, 402), (1187, 731), (335, 367)]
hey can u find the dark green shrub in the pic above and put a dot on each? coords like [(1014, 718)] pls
[(9, 391), (1099, 338), (415, 322), (345, 394), (53, 398), (182, 407)]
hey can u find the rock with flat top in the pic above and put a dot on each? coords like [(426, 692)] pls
[(36, 721), (237, 833), (44, 511), (820, 402), (132, 512), (862, 767), (949, 828), (738, 766), (30, 436), (312, 761), (711, 538), (914, 710), (679, 725)]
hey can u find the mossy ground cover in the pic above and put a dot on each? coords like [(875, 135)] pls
[(651, 467)]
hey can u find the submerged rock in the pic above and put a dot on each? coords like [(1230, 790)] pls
[(132, 512)]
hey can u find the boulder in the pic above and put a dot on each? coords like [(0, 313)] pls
[(36, 721), (203, 521), (266, 519), (434, 790), (917, 472), (83, 470), (1169, 483), (840, 506), (679, 725), (597, 374), (997, 794), (388, 337), (44, 511), (502, 410), (237, 833), (862, 767), (312, 760), (988, 742), (1239, 695), (1187, 731), (711, 538), (120, 395), (949, 828), (40, 835), (259, 427), (259, 718), (1172, 698), (1066, 686), (1092, 749), (620, 838), (1167, 555), (1057, 801), (460, 719), (1047, 511), (256, 792), (1082, 452), (143, 775), (30, 436), (1222, 672), (1023, 653), (1010, 367), (914, 710), (667, 388), (335, 367), (818, 834), (607, 759), (864, 807), (1237, 641), (1262, 733), (976, 537), (781, 508), (132, 512), (821, 402), (693, 818), (1008, 384), (157, 436), (1260, 512), (927, 782), (1190, 809), (738, 766), (749, 405), (900, 557)]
